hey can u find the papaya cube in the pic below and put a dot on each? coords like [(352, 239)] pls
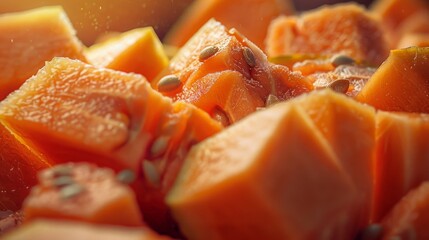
[(349, 128), (84, 192), (401, 83), (77, 112), (409, 217), (394, 12), (402, 157), (19, 162), (71, 230), (138, 51), (216, 55), (30, 38), (275, 175), (339, 29), (231, 14)]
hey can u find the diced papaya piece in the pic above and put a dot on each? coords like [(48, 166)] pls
[(394, 12), (196, 70), (253, 22), (402, 157), (70, 230), (92, 19), (339, 29), (19, 162), (74, 111), (30, 38), (187, 126), (401, 83), (71, 105), (138, 51), (83, 192), (294, 178), (337, 116), (408, 219)]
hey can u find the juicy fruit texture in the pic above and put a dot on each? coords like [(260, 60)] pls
[(253, 22), (327, 72), (19, 162), (28, 39), (339, 29), (408, 219), (401, 83), (337, 116), (62, 190), (252, 188), (77, 112), (69, 230), (137, 51), (402, 157), (236, 72), (71, 106)]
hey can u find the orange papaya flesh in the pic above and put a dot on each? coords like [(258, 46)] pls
[(30, 38), (231, 14), (395, 12), (63, 189), (138, 51), (231, 166), (408, 219), (357, 77), (337, 116), (184, 131), (260, 78), (99, 111), (19, 162), (222, 90), (49, 229), (323, 71), (77, 112), (401, 83), (402, 158), (92, 20), (414, 39), (339, 29)]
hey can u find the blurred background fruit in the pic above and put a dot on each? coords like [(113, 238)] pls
[(92, 18)]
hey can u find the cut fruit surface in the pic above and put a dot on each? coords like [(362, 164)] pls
[(201, 68), (339, 29), (253, 22), (69, 230), (138, 51), (408, 219), (75, 112), (19, 162), (402, 157), (62, 190), (30, 38), (295, 177), (401, 83)]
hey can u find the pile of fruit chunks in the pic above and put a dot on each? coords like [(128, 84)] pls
[(242, 123)]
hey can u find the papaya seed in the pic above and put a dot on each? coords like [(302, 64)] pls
[(249, 57), (207, 52), (169, 83)]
